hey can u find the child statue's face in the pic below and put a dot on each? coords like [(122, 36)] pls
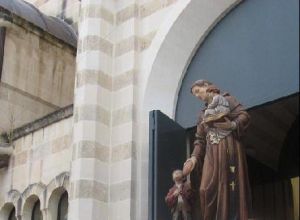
[(200, 93), (210, 96), (177, 176)]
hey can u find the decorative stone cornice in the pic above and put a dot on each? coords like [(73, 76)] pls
[(12, 21), (42, 122)]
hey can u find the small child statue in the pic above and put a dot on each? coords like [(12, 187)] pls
[(218, 106), (180, 197)]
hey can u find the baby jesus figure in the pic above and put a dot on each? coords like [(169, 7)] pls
[(217, 108), (180, 197)]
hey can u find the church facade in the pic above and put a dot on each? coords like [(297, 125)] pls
[(79, 146)]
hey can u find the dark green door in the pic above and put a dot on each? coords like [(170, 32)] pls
[(167, 153)]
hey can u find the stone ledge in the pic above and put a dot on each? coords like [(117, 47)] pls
[(43, 122)]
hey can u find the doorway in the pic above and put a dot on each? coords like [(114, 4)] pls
[(272, 148)]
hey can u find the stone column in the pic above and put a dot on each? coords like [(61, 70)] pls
[(45, 214), (122, 164), (92, 134), (101, 174)]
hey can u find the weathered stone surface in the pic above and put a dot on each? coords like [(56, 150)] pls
[(37, 76), (43, 122)]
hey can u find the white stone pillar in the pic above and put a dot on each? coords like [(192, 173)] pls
[(45, 214), (124, 70), (90, 178), (101, 175)]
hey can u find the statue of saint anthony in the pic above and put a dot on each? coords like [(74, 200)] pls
[(224, 185)]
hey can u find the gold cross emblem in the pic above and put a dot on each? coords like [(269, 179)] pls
[(232, 184), (232, 169)]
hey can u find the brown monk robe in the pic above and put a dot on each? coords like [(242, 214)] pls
[(224, 188)]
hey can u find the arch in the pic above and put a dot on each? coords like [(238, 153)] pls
[(6, 209), (30, 195), (28, 206), (54, 202), (55, 189), (171, 51), (258, 38), (49, 197), (12, 200), (173, 48), (60, 181)]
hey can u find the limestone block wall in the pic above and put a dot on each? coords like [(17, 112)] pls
[(39, 167), (119, 44), (114, 37), (132, 56), (37, 76)]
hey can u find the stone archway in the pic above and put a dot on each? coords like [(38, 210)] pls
[(6, 210), (173, 48), (55, 189), (170, 54), (30, 196), (54, 199), (13, 200), (28, 206)]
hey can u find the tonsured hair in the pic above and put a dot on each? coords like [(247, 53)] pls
[(200, 83)]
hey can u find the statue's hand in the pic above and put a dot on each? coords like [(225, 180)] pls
[(176, 192), (227, 125), (189, 166)]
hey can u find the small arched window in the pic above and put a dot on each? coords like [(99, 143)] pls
[(63, 204), (12, 214), (36, 211)]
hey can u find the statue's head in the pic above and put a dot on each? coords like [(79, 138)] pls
[(177, 175), (199, 89)]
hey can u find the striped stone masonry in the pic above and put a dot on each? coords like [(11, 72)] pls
[(112, 36)]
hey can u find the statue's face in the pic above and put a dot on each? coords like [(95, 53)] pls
[(177, 176), (200, 93)]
